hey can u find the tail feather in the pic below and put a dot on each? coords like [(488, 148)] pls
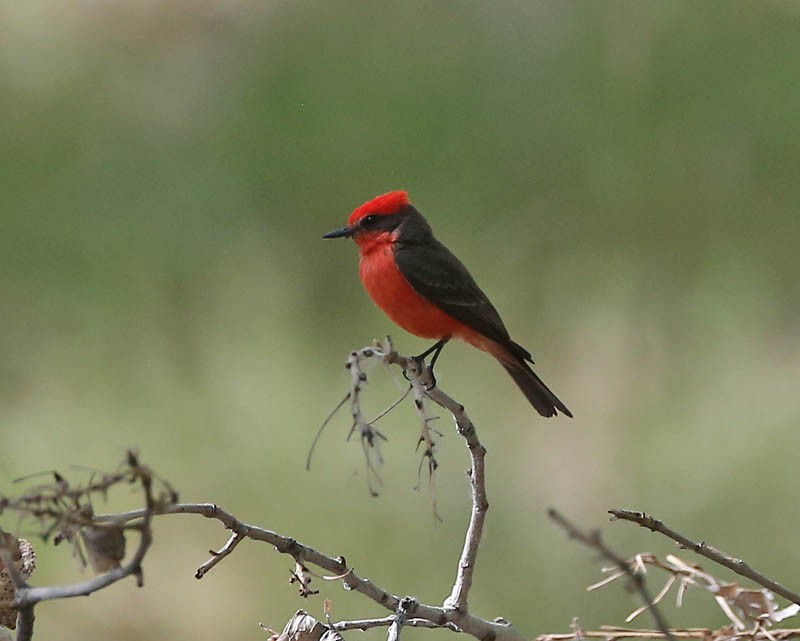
[(539, 395), (514, 358)]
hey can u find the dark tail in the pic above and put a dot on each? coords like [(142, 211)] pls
[(513, 357), (539, 395)]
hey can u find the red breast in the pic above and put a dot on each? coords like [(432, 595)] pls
[(391, 292)]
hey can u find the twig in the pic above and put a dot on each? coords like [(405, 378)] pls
[(480, 503), (737, 565), (218, 555), (383, 622), (322, 427), (420, 379), (457, 599), (394, 404), (594, 541), (370, 437)]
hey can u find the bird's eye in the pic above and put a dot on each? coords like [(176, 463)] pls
[(369, 221)]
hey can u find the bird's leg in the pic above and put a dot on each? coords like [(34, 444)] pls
[(435, 349)]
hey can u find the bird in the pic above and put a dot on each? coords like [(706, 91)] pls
[(426, 290)]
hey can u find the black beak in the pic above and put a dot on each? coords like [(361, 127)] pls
[(343, 232)]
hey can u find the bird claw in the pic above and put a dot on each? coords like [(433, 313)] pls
[(428, 380), (426, 376)]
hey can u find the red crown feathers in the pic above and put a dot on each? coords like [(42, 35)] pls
[(383, 205)]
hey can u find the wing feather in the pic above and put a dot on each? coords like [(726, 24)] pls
[(437, 275)]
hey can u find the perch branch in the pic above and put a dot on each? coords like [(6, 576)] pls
[(477, 477), (423, 387)]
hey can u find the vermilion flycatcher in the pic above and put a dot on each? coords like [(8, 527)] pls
[(426, 290)]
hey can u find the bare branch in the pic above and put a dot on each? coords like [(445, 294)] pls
[(218, 555), (322, 427), (366, 624), (737, 565), (480, 504), (423, 388), (593, 540), (440, 616)]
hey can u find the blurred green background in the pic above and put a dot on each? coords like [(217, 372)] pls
[(621, 177)]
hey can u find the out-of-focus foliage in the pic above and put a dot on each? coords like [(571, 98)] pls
[(621, 177)]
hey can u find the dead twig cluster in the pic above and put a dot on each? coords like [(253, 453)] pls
[(709, 551), (420, 384), (66, 510), (743, 607), (751, 612)]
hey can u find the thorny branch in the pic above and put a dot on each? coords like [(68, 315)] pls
[(708, 551)]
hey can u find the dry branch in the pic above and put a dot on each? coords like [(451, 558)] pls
[(594, 541), (737, 565), (68, 510), (453, 614)]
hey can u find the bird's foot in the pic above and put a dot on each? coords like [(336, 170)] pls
[(424, 373)]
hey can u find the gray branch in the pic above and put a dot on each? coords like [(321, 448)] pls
[(337, 566), (477, 478)]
